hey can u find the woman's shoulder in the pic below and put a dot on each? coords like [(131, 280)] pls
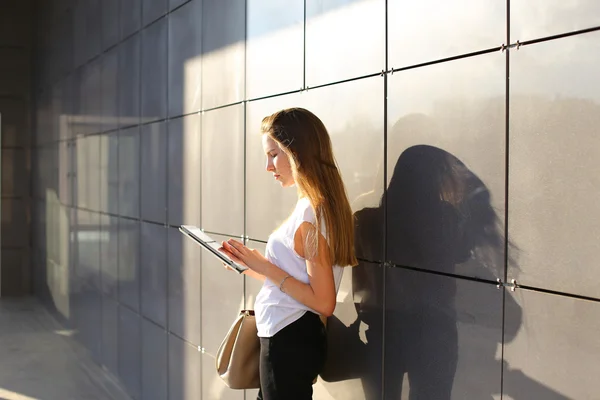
[(304, 211)]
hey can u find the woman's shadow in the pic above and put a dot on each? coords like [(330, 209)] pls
[(438, 214), (439, 219)]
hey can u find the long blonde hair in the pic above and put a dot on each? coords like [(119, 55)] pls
[(304, 138)]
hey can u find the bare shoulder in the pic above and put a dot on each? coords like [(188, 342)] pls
[(305, 234)]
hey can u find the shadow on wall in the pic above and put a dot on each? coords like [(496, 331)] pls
[(439, 218)]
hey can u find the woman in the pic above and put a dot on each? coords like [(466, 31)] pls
[(302, 268)]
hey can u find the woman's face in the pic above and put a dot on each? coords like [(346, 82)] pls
[(278, 162)]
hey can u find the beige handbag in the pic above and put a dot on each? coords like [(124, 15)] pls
[(238, 355)]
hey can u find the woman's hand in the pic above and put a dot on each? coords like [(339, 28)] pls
[(226, 248), (227, 267), (241, 254)]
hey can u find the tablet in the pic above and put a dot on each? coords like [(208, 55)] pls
[(211, 245)]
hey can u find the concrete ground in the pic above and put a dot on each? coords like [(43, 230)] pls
[(38, 360)]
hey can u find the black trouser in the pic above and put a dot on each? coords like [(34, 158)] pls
[(292, 359)]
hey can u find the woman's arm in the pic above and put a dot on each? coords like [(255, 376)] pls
[(254, 274), (319, 293)]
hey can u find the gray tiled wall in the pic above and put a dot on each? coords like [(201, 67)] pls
[(147, 117), (15, 136)]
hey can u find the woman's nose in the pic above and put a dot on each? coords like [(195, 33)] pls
[(270, 166)]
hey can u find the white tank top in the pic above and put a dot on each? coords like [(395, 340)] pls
[(274, 309)]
